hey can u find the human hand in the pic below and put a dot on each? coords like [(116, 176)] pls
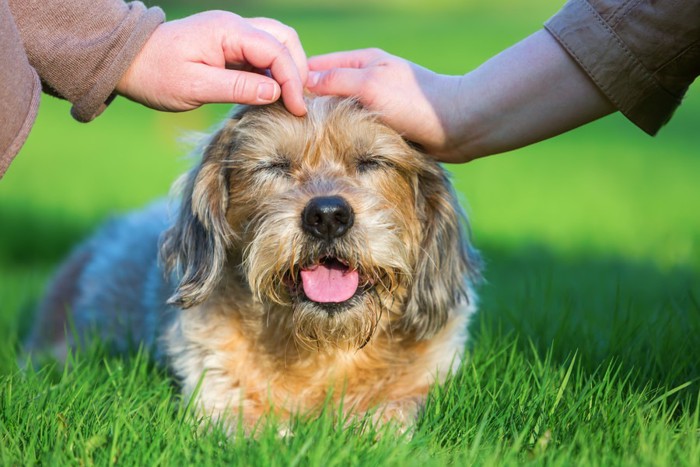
[(218, 56), (421, 105), (529, 92)]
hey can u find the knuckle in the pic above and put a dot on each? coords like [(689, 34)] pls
[(290, 32), (281, 51), (273, 22), (267, 38), (371, 88), (276, 28), (240, 88), (332, 80), (328, 77), (195, 89), (218, 16), (376, 52), (375, 74)]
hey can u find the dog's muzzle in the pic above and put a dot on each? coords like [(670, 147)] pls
[(330, 280)]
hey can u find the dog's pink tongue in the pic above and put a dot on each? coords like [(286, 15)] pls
[(329, 283)]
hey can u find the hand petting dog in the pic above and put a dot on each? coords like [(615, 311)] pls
[(226, 63)]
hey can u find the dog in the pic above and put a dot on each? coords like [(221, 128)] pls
[(310, 259)]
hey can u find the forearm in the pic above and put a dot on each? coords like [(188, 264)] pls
[(528, 93), (595, 57), (641, 56)]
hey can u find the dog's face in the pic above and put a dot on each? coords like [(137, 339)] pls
[(336, 224)]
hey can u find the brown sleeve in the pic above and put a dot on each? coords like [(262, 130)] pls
[(81, 48), (642, 54), (19, 90)]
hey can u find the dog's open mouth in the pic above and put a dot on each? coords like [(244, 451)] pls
[(329, 281)]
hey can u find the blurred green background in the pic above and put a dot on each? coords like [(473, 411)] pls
[(586, 236)]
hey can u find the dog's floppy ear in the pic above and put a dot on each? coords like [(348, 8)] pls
[(446, 259), (194, 249)]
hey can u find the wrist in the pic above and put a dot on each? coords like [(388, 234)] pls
[(458, 117)]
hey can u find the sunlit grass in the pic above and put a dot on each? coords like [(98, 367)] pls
[(510, 404), (586, 349)]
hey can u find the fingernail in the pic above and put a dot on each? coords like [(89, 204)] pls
[(266, 91), (313, 78)]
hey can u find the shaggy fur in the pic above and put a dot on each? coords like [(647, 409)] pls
[(273, 196)]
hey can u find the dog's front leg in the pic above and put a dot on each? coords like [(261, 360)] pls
[(401, 414)]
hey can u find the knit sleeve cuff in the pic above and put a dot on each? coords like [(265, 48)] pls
[(142, 23)]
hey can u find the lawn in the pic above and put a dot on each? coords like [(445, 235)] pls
[(586, 349)]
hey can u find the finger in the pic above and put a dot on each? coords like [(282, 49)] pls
[(345, 82), (348, 59), (232, 86), (287, 36), (262, 50)]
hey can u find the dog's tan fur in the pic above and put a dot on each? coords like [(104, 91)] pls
[(235, 249)]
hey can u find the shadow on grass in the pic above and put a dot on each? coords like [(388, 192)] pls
[(602, 308), (29, 238)]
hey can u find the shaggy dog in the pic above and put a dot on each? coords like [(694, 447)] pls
[(311, 258)]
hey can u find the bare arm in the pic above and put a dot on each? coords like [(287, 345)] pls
[(527, 93)]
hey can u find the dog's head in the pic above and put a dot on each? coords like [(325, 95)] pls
[(332, 221)]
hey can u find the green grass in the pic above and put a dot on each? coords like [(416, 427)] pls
[(587, 346)]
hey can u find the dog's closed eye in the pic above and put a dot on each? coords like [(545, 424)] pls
[(277, 165), (370, 162)]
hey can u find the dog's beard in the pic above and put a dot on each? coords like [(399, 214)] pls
[(358, 290), (346, 325), (344, 315)]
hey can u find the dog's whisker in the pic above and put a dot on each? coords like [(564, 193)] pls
[(267, 316)]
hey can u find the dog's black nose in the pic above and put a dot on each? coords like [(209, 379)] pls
[(327, 217)]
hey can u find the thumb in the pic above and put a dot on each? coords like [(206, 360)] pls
[(218, 85)]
